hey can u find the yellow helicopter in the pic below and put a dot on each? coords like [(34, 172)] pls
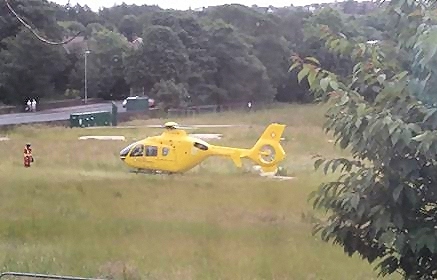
[(174, 151)]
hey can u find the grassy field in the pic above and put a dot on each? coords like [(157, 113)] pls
[(78, 211)]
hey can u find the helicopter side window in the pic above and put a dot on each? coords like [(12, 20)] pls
[(151, 151), (200, 146), (138, 151), (165, 151)]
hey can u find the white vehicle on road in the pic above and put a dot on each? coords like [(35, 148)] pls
[(151, 101)]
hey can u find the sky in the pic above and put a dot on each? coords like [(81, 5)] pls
[(186, 4)]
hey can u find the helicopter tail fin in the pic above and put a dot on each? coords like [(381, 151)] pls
[(267, 151)]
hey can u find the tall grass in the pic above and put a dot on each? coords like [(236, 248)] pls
[(79, 211)]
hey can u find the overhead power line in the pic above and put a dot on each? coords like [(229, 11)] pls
[(35, 33)]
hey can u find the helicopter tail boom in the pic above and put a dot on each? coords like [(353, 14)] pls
[(268, 152)]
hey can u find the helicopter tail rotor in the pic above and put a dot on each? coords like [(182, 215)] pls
[(268, 152)]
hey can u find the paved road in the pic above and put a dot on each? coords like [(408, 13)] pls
[(58, 114)]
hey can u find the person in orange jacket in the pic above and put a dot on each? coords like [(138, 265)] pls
[(28, 158)]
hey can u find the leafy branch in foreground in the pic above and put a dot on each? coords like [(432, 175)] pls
[(383, 206)]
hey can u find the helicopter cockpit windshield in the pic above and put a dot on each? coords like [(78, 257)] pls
[(125, 151)]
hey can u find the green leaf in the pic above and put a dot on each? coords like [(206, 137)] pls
[(424, 238), (357, 67), (333, 84), (415, 128), (412, 196), (343, 46), (429, 54), (393, 127), (335, 165), (326, 167), (387, 238), (430, 114), (344, 99), (302, 73), (293, 66), (397, 192), (361, 210), (382, 221), (400, 242), (318, 163), (361, 110), (312, 78), (355, 199), (334, 43), (401, 75), (420, 137), (324, 83), (312, 59), (398, 220), (395, 136), (407, 136), (375, 210)]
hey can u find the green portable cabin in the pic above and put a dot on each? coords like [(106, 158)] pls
[(87, 119)]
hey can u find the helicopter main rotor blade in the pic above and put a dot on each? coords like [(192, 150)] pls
[(176, 127), (154, 126), (187, 127)]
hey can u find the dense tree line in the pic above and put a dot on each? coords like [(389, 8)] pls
[(222, 54)]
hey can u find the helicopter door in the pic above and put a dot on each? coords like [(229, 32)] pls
[(150, 156)]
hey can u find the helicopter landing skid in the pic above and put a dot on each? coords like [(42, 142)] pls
[(150, 172)]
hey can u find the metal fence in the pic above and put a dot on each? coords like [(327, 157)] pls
[(204, 109), (42, 276)]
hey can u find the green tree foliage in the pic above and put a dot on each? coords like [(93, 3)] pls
[(337, 23), (38, 12), (162, 56), (24, 74), (383, 205), (245, 19), (291, 22), (129, 26), (227, 53), (170, 94), (275, 55), (264, 34), (107, 48), (202, 65), (240, 73), (82, 14), (71, 28), (114, 15)]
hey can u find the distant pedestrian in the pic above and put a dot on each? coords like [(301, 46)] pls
[(33, 105), (29, 105), (249, 105)]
